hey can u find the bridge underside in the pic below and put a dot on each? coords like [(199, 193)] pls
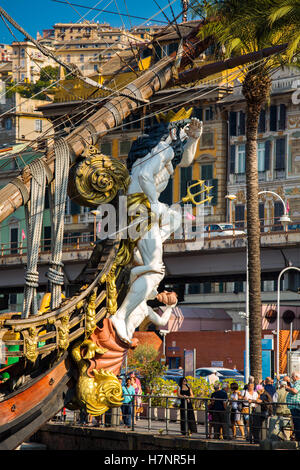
[(218, 266), (212, 265)]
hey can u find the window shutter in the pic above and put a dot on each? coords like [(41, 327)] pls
[(262, 121), (267, 154), (280, 154), (214, 192), (242, 123), (239, 215), (261, 214), (273, 118), (232, 123), (167, 195), (278, 209), (198, 113), (282, 117), (232, 159), (185, 177), (75, 208), (206, 172)]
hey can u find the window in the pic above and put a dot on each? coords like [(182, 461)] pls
[(185, 179), (239, 215), (278, 212), (81, 57), (124, 147), (280, 158), (38, 125), (207, 140), (206, 172), (8, 124), (236, 123), (262, 121), (14, 237), (277, 117), (209, 114), (261, 156), (261, 212), (68, 58), (106, 148), (241, 159), (241, 123), (198, 113)]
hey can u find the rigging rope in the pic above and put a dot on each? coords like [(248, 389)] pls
[(57, 206), (34, 219)]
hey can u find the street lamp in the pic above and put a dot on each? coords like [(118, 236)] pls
[(230, 197), (284, 219), (245, 315), (278, 312), (164, 334), (95, 213)]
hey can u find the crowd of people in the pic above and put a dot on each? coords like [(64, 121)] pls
[(248, 410), (244, 412)]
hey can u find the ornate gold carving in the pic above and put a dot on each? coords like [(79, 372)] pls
[(63, 333), (173, 116), (97, 179), (90, 315), (102, 390), (30, 344)]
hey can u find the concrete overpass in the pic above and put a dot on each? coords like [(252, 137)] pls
[(214, 259)]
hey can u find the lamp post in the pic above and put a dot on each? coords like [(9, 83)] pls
[(230, 197), (164, 334), (278, 312), (284, 219), (95, 213), (245, 315)]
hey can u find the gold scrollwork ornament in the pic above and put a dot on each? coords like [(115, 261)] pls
[(97, 178), (30, 344), (90, 314), (63, 333), (102, 390)]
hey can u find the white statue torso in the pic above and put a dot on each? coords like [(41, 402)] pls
[(156, 165)]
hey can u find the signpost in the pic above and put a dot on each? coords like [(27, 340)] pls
[(189, 362)]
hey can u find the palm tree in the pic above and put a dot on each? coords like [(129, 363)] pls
[(242, 27), (285, 14)]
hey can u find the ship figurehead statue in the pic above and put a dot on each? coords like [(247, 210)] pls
[(150, 165)]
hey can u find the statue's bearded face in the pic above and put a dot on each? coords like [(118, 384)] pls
[(143, 144), (178, 137)]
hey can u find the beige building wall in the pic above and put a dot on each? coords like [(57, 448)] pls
[(29, 123), (27, 62)]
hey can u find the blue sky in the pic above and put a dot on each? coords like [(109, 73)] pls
[(36, 15)]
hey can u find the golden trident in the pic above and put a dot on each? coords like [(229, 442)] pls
[(191, 197)]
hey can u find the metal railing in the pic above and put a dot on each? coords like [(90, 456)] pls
[(233, 421), (85, 241)]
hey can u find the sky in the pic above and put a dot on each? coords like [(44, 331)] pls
[(36, 15)]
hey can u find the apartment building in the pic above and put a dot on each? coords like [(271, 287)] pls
[(278, 151), (20, 121), (88, 45), (27, 62)]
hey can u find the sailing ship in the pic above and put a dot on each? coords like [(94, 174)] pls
[(68, 352)]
